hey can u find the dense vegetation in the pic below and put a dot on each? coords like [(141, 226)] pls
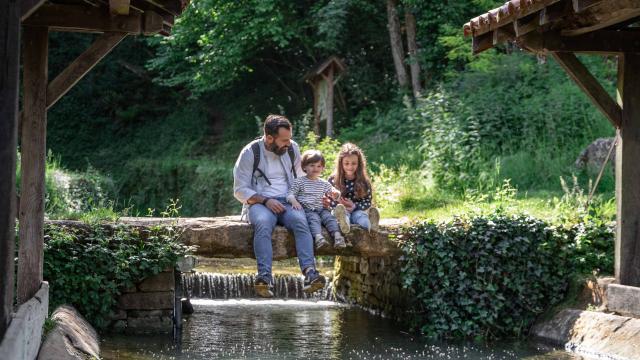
[(88, 268), (491, 276), (163, 119)]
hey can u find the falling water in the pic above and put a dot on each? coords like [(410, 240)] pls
[(236, 286)]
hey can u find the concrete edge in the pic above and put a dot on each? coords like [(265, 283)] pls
[(23, 337), (592, 333)]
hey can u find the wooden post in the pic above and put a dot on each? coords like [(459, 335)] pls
[(33, 147), (329, 102), (627, 266), (9, 69)]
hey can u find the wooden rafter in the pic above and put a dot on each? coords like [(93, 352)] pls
[(581, 5), (89, 19), (28, 7), (81, 66), (590, 85), (597, 42)]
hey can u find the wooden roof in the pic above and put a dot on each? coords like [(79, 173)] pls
[(321, 67), (134, 17), (516, 19)]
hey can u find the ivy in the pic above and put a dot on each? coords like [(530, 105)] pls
[(89, 267), (486, 277)]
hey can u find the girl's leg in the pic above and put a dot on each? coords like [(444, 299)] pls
[(360, 218)]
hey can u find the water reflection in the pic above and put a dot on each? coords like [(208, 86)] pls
[(294, 329)]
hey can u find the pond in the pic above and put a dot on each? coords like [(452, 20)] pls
[(295, 329)]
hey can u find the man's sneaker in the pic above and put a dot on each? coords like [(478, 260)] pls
[(263, 286), (340, 213), (313, 281), (374, 218), (338, 241), (321, 242)]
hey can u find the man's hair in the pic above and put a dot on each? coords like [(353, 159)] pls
[(311, 157), (273, 123)]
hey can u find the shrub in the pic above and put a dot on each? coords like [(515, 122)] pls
[(486, 277), (89, 267)]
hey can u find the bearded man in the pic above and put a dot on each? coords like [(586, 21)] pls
[(262, 176)]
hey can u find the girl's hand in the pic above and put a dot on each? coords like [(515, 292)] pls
[(348, 204)]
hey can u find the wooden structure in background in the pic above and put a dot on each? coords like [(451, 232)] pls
[(562, 28), (322, 79), (114, 20)]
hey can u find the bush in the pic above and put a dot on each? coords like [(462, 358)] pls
[(89, 268), (486, 277)]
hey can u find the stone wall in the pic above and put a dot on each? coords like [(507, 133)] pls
[(148, 306), (373, 283)]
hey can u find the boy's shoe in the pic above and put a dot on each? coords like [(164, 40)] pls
[(263, 286), (374, 218), (338, 241), (321, 242), (313, 281), (340, 213)]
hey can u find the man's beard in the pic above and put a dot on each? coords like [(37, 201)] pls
[(277, 149)]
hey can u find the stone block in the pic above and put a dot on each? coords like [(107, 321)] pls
[(71, 338), (164, 281), (155, 324), (364, 265), (146, 301), (148, 313), (623, 299), (118, 315)]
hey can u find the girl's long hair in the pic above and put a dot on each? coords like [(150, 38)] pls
[(362, 181)]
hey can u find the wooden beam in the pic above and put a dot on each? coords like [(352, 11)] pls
[(119, 7), (81, 66), (603, 14), (597, 42), (554, 12), (33, 146), (526, 24), (581, 5), (9, 69), (628, 172), (90, 19), (28, 7), (482, 42), (583, 78)]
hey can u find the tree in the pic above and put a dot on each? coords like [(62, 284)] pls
[(397, 50), (410, 23)]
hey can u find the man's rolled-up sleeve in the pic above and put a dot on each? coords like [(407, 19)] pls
[(242, 176)]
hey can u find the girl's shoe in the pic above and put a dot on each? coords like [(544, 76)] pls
[(338, 241), (374, 218), (340, 212)]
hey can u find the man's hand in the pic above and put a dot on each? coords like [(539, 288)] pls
[(275, 206)]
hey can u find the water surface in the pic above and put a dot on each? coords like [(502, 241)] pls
[(296, 329)]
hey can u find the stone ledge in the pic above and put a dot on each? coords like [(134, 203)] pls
[(146, 301), (71, 338), (231, 237), (624, 300), (592, 333)]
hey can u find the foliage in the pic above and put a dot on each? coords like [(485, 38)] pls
[(88, 268), (483, 277)]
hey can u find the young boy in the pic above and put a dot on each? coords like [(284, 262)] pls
[(307, 192)]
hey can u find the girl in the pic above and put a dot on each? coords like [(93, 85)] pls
[(351, 178)]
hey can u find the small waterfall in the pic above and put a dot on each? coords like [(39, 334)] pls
[(235, 286)]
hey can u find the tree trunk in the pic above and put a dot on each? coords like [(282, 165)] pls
[(410, 22), (329, 102), (397, 50), (9, 69)]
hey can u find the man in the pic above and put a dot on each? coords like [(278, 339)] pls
[(262, 176)]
